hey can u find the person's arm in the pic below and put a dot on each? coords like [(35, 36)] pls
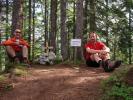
[(23, 42), (7, 42), (106, 49), (95, 51), (10, 42)]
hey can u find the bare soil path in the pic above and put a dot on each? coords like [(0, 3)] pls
[(59, 82)]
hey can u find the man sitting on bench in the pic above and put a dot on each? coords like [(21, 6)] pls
[(17, 47)]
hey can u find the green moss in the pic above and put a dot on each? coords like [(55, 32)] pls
[(2, 78)]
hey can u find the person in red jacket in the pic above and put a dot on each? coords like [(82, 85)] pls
[(97, 54), (17, 47)]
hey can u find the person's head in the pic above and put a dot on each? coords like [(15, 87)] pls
[(93, 36), (17, 33)]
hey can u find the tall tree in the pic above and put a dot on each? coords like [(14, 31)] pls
[(17, 15), (0, 6), (29, 31), (130, 5), (0, 38), (74, 24), (79, 25), (107, 24), (64, 46), (53, 23), (74, 18), (7, 12), (33, 40), (86, 16), (92, 15), (46, 21)]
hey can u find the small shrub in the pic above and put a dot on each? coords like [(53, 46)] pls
[(122, 92), (114, 88)]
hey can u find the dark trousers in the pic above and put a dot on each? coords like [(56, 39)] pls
[(91, 63)]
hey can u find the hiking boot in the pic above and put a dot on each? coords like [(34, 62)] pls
[(105, 66), (114, 64), (109, 65)]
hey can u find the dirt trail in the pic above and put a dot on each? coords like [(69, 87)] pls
[(59, 82)]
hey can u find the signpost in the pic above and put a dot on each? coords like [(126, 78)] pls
[(75, 43)]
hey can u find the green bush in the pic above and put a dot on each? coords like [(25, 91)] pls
[(114, 88), (122, 92)]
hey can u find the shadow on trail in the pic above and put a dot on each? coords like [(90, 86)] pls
[(59, 82)]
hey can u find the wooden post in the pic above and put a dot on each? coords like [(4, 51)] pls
[(47, 48), (75, 56)]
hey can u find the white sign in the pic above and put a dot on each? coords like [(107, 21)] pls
[(75, 42)]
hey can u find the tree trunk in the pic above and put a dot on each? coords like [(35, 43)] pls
[(0, 6), (64, 46), (74, 18), (0, 54), (92, 15), (7, 12), (107, 25), (74, 25), (86, 17), (17, 15), (79, 26), (46, 21), (53, 24), (29, 31), (130, 40), (33, 44)]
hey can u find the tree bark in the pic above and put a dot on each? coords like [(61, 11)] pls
[(86, 17), (17, 15), (79, 26), (46, 22), (92, 15), (29, 31), (33, 44), (74, 26), (53, 23), (0, 6), (64, 46), (130, 37), (7, 20), (107, 25)]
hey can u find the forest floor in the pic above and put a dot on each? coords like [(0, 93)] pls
[(58, 82)]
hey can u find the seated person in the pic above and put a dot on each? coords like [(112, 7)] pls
[(17, 47), (97, 54)]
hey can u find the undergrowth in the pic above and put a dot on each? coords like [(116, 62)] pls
[(114, 88)]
